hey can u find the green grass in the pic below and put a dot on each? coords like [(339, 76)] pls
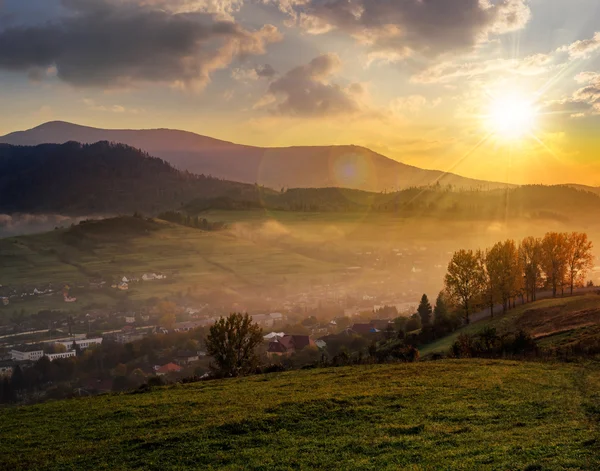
[(467, 415), (524, 317)]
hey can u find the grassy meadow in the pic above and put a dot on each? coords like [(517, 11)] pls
[(459, 415)]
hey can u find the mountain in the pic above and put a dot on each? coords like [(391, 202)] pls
[(290, 167), (76, 178)]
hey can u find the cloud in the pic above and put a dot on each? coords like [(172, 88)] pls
[(112, 43), (583, 48), (93, 106), (254, 73), (412, 104), (401, 28), (448, 71), (306, 91), (585, 101)]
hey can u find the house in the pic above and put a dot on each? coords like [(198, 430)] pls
[(168, 368), (277, 316), (273, 335), (289, 344), (129, 319), (320, 344), (185, 357), (364, 329), (123, 286), (27, 354), (381, 324)]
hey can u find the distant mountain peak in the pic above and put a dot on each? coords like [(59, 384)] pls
[(348, 166)]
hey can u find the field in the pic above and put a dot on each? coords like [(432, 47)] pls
[(470, 414), (552, 322), (263, 255)]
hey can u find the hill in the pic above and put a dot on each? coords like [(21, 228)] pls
[(289, 167), (472, 414), (560, 323), (97, 178)]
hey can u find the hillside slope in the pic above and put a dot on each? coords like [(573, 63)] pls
[(98, 178), (554, 323), (480, 415), (296, 167)]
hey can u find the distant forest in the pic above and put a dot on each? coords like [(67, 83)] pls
[(533, 201), (106, 178), (100, 178)]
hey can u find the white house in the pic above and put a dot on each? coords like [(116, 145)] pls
[(31, 355), (129, 319)]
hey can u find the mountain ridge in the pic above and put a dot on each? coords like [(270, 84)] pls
[(347, 166)]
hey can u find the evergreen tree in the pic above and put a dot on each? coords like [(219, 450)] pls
[(440, 311), (425, 310)]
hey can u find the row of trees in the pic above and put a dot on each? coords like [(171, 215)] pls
[(508, 270)]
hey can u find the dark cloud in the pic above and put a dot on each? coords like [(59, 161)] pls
[(306, 91), (265, 71), (110, 43), (399, 28)]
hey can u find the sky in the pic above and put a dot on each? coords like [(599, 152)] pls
[(503, 90)]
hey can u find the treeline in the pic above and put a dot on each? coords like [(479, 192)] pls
[(192, 221), (534, 201), (509, 271)]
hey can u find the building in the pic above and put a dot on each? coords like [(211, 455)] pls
[(364, 329), (191, 325), (128, 336), (185, 357), (56, 356), (82, 343), (289, 344), (27, 354), (168, 368)]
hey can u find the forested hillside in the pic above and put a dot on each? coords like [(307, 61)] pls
[(75, 178)]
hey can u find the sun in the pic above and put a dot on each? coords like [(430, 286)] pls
[(512, 116)]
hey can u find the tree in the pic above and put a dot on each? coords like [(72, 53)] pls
[(167, 311), (232, 343), (503, 273), (530, 254), (441, 308), (554, 259), (465, 279), (425, 310), (579, 257)]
